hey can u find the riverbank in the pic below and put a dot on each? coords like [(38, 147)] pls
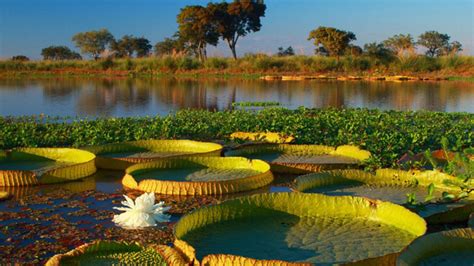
[(253, 66), (386, 134)]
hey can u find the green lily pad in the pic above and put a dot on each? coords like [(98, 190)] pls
[(391, 185), (198, 175), (453, 247), (297, 159), (119, 156), (297, 227), (31, 166), (117, 253)]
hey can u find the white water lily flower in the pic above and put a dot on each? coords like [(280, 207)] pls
[(141, 213)]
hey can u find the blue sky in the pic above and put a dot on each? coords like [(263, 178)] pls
[(27, 26)]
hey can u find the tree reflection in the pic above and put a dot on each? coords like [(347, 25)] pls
[(152, 96)]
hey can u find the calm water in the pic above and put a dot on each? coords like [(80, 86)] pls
[(138, 97)]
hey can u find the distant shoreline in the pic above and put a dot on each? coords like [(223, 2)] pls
[(268, 67)]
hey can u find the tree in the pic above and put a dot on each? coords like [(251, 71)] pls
[(165, 47), (170, 46), (333, 40), (353, 50), (59, 53), (20, 58), (434, 42), (378, 51), (400, 44), (321, 51), (237, 19), (286, 52), (93, 42), (123, 47), (142, 46), (128, 45), (453, 48), (197, 29)]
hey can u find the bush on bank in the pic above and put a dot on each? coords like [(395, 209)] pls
[(386, 134)]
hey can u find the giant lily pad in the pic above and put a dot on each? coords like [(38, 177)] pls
[(117, 253), (391, 185), (297, 159), (119, 156), (4, 195), (32, 166), (198, 175), (271, 137), (453, 247), (297, 227)]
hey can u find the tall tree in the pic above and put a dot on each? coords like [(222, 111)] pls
[(93, 42), (400, 44), (59, 53), (197, 29), (237, 19), (333, 40), (434, 42)]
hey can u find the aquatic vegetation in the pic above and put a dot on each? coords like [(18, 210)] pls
[(453, 247), (395, 186), (198, 175), (117, 253), (297, 159), (297, 227), (119, 156), (141, 213), (386, 134), (33, 166), (255, 104), (271, 137)]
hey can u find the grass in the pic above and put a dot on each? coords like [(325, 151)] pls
[(386, 134), (249, 65)]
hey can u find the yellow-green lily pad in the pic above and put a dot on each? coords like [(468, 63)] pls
[(392, 185), (119, 156), (198, 175), (32, 166), (297, 159), (297, 227)]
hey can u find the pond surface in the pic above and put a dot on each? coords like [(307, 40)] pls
[(40, 221), (160, 96)]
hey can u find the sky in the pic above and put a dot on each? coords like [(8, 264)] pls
[(27, 26)]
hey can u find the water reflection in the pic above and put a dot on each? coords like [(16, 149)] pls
[(152, 96)]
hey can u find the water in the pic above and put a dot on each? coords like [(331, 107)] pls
[(160, 96)]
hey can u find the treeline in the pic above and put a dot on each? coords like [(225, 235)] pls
[(201, 26)]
